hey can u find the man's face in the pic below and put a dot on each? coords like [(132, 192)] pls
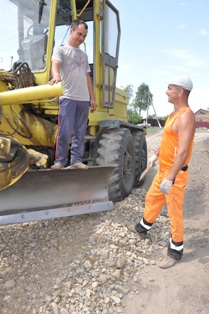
[(172, 93), (78, 35)]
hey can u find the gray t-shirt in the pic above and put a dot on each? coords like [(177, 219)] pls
[(73, 69)]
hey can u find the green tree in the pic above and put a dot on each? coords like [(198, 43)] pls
[(129, 89), (143, 98), (132, 114)]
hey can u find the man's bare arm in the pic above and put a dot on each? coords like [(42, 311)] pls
[(185, 127), (91, 92), (55, 72)]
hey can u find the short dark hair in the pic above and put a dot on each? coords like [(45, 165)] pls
[(77, 22)]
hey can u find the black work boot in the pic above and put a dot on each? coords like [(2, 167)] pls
[(140, 229), (137, 229)]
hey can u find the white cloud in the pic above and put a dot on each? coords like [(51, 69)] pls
[(128, 66), (184, 55), (176, 68), (181, 26), (158, 72), (203, 32)]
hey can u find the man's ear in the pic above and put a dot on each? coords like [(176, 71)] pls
[(181, 90)]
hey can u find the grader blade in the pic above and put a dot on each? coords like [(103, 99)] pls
[(44, 194)]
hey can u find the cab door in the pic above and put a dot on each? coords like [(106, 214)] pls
[(110, 47)]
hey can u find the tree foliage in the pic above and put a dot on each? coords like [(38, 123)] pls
[(129, 89), (143, 98), (141, 102), (133, 116)]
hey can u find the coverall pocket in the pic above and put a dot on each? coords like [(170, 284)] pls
[(182, 178)]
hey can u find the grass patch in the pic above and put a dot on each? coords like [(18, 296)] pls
[(153, 130)]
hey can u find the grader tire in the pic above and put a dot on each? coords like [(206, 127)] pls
[(116, 148), (140, 147)]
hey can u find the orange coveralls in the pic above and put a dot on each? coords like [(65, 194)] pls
[(155, 199)]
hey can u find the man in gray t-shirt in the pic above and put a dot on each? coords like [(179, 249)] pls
[(70, 65)]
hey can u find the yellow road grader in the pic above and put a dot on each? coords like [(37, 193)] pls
[(115, 150)]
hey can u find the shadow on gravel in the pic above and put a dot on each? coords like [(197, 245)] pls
[(197, 248), (194, 202)]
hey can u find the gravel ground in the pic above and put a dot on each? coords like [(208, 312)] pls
[(92, 264)]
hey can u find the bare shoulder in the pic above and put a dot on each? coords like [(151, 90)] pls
[(187, 116), (185, 121)]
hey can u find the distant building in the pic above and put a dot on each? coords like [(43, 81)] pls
[(202, 118)]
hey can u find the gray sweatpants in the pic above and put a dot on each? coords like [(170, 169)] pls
[(72, 120)]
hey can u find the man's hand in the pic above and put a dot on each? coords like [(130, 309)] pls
[(152, 160), (165, 186), (93, 105), (55, 80)]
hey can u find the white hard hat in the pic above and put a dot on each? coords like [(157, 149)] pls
[(182, 81)]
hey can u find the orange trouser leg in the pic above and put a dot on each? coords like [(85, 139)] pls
[(154, 200), (175, 201)]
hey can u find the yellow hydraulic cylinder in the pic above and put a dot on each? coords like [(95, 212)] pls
[(29, 94)]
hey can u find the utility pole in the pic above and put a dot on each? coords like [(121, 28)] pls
[(11, 62), (156, 116), (150, 102), (147, 113)]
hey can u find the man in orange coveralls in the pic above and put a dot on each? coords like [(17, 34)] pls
[(172, 177)]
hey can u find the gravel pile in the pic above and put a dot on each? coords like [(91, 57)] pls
[(77, 265), (45, 270)]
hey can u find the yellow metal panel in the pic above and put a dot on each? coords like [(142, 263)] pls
[(98, 17), (27, 128)]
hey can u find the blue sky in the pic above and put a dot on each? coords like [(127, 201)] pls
[(163, 38)]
